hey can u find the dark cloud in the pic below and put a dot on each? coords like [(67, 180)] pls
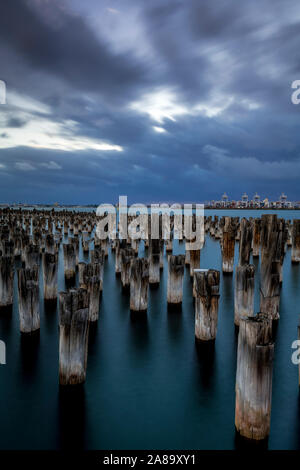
[(68, 49), (234, 60), (15, 122)]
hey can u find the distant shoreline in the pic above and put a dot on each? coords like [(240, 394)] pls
[(90, 206), (252, 208)]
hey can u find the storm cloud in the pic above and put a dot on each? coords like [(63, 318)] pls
[(162, 100)]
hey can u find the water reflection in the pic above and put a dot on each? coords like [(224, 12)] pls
[(139, 332), (175, 323), (50, 315), (29, 356), (205, 354), (50, 307), (174, 308), (71, 417), (93, 331), (296, 426), (6, 317), (148, 363), (227, 291), (295, 273), (244, 444)]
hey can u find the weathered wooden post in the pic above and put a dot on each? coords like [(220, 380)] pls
[(194, 260), (7, 248), (98, 257), (135, 245), (194, 281), (50, 270), (270, 266), (139, 283), (6, 282), (75, 242), (282, 239), (50, 244), (206, 285), (66, 227), (228, 245), (73, 336), (245, 242), (113, 245), (256, 224), (244, 292), (244, 276), (24, 243), (71, 226), (270, 297), (254, 377), (289, 241), (127, 254), (29, 311), (161, 253), (90, 227), (89, 279), (69, 262), (187, 256), (104, 247), (214, 226), (85, 242), (169, 245), (296, 241), (175, 279), (194, 241), (97, 241), (154, 262), (120, 244), (37, 238), (18, 244), (32, 256), (50, 225), (218, 231), (207, 221)]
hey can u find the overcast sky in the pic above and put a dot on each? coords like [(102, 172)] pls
[(160, 100)]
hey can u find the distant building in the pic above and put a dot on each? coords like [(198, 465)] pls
[(224, 202), (284, 203), (255, 203), (245, 200), (256, 200), (283, 198)]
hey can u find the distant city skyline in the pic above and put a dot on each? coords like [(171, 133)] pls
[(256, 201), (282, 202)]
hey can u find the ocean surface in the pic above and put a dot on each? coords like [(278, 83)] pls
[(149, 386)]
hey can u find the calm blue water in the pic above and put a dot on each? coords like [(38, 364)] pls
[(148, 385)]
